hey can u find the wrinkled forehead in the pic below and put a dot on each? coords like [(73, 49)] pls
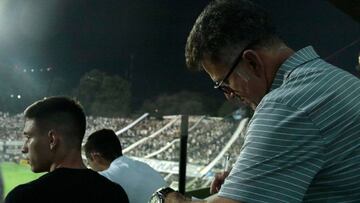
[(219, 64)]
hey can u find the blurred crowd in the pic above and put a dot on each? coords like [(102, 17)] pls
[(11, 127), (206, 138), (205, 141)]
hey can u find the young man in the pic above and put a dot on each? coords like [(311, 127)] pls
[(104, 153), (302, 144), (54, 129)]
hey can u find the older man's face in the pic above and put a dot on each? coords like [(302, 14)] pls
[(244, 85)]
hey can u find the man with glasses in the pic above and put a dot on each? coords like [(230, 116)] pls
[(302, 142)]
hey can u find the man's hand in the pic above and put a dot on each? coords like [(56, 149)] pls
[(176, 197), (218, 181)]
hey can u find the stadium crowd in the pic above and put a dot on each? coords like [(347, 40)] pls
[(209, 132), (10, 127), (143, 129)]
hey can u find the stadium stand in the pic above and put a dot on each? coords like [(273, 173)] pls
[(154, 141)]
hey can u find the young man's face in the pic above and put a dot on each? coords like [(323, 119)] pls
[(36, 147)]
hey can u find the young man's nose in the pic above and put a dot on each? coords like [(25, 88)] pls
[(24, 149)]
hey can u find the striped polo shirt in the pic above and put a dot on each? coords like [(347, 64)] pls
[(302, 144)]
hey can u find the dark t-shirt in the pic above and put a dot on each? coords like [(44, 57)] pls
[(66, 185)]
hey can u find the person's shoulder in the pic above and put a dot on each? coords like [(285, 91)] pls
[(101, 180), (28, 190), (120, 163), (113, 190), (120, 194), (116, 188), (131, 161), (96, 184), (137, 166), (145, 170), (20, 193)]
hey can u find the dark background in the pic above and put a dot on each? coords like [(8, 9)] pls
[(143, 40)]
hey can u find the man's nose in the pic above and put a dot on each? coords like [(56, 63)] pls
[(24, 148)]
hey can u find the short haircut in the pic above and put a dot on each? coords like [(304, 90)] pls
[(104, 142), (226, 24), (61, 113)]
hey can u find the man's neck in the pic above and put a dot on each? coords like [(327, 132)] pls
[(284, 53), (71, 159), (278, 55)]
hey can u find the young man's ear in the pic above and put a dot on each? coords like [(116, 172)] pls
[(54, 139), (255, 62)]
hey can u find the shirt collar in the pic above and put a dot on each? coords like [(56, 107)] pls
[(297, 59)]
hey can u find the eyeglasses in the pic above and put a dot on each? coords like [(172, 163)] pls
[(221, 85)]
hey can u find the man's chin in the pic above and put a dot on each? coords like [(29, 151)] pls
[(34, 169), (242, 103), (253, 106), (237, 101), (37, 170), (250, 104)]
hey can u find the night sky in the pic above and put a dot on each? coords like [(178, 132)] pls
[(144, 39)]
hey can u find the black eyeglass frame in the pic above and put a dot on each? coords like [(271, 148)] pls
[(219, 84)]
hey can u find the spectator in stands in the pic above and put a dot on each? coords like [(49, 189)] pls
[(302, 144), (54, 129), (104, 153)]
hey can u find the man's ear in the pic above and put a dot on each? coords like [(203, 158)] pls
[(255, 62), (95, 156), (54, 139)]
